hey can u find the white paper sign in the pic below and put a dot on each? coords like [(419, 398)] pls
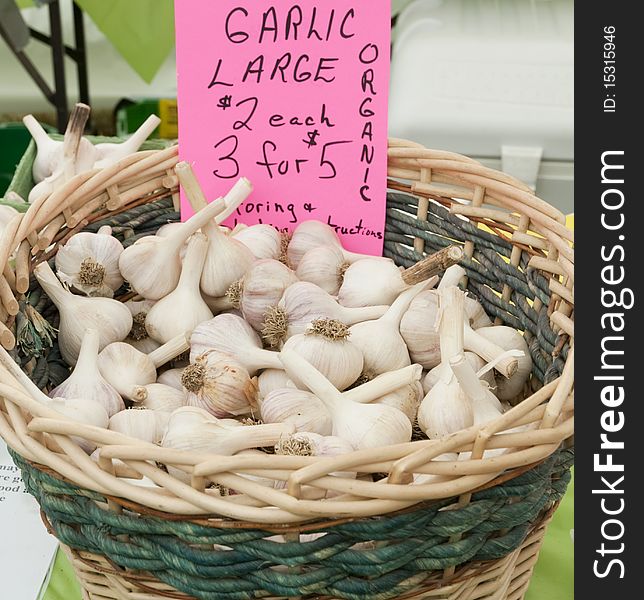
[(26, 548)]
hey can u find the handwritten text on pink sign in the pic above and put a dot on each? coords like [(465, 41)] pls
[(294, 97)]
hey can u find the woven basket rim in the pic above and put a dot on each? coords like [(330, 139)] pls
[(436, 174)]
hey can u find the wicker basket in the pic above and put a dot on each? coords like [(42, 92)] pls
[(476, 534)]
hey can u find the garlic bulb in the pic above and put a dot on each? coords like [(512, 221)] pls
[(304, 410), (418, 329), (263, 286), (216, 382), (88, 412), (152, 265), (191, 428), (446, 409), (168, 229), (89, 262), (49, 153), (262, 240), (86, 381), (324, 266), (384, 384), (108, 153), (272, 379), (362, 425), (231, 334), (370, 281), (227, 260), (311, 234), (485, 405), (75, 155), (159, 397), (437, 372), (313, 444), (140, 423), (81, 410), (172, 378), (380, 342), (505, 362), (420, 332), (303, 303), (138, 336), (124, 367), (183, 309), (508, 338), (326, 344), (110, 318), (406, 399)]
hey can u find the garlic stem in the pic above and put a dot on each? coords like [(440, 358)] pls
[(489, 351), (451, 277), (467, 378), (451, 322), (401, 304), (383, 384), (170, 350), (312, 379), (88, 352)]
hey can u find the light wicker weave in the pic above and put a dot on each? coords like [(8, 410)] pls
[(439, 198)]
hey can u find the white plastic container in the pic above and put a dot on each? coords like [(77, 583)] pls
[(493, 80)]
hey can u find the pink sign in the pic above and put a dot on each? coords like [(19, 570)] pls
[(294, 97)]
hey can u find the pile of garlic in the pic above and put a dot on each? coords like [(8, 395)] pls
[(58, 161), (232, 345)]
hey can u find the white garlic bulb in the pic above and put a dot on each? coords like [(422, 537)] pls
[(140, 423), (152, 265), (124, 367), (262, 240), (304, 410), (485, 405), (475, 360), (272, 379), (508, 338), (171, 378), (138, 336), (419, 329), (311, 234), (380, 342), (362, 425), (49, 152), (406, 399), (108, 153), (81, 410), (160, 397), (327, 345), (263, 286), (89, 262), (86, 381), (191, 428), (216, 382), (312, 444), (183, 309), (227, 260), (324, 266), (110, 318), (88, 412), (446, 408), (370, 281), (303, 303), (231, 334), (474, 312)]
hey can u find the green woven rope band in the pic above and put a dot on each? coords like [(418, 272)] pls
[(400, 550)]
